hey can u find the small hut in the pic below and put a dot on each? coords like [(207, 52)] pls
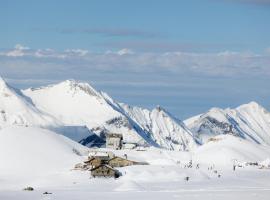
[(114, 141), (105, 171)]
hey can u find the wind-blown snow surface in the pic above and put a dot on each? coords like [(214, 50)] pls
[(249, 121)]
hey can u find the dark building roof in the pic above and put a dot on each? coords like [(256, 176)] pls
[(102, 158)]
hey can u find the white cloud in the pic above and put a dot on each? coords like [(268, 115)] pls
[(18, 51), (210, 64), (40, 53), (79, 52), (125, 51), (120, 52)]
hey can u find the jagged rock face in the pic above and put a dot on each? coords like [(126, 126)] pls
[(119, 122), (216, 127), (93, 141), (212, 123)]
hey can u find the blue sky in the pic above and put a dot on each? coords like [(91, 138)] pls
[(185, 55)]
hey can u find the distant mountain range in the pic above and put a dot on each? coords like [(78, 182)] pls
[(249, 121), (85, 115)]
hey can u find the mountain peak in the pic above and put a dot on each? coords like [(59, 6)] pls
[(251, 105), (75, 83), (159, 108), (70, 82), (216, 110), (81, 86), (162, 111), (71, 85)]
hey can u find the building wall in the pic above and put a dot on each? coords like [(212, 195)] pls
[(103, 171), (113, 142)]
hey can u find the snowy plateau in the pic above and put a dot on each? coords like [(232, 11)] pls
[(46, 131)]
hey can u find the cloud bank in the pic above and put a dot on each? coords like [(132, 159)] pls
[(24, 60)]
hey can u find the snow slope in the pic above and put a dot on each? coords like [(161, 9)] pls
[(254, 120), (224, 149), (17, 109), (249, 121), (43, 160), (27, 153), (73, 103), (165, 177)]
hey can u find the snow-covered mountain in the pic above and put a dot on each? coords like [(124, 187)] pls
[(72, 103), (85, 115), (167, 131), (17, 109), (78, 104), (249, 121)]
